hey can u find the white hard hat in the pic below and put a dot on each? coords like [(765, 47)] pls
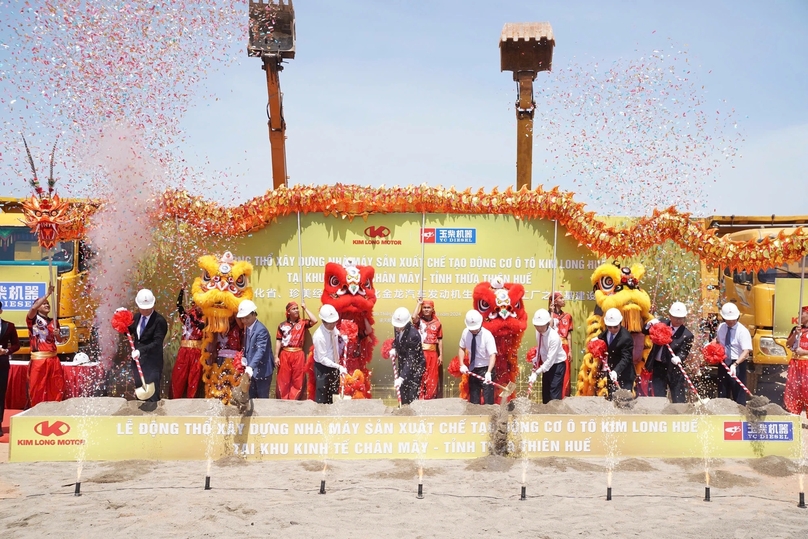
[(729, 311), (400, 317), (245, 308), (678, 309), (81, 358), (613, 317), (541, 317), (145, 299), (474, 320), (328, 314)]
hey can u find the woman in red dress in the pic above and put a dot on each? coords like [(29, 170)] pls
[(796, 395)]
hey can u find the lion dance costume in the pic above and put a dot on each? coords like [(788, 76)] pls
[(349, 288), (617, 287), (505, 317), (224, 284)]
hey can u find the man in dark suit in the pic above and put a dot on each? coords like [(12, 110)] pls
[(149, 330), (620, 351), (663, 364), (257, 350), (410, 355), (9, 343)]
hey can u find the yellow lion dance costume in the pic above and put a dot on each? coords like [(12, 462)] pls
[(225, 282), (619, 288)]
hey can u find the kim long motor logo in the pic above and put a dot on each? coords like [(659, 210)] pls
[(377, 235), (46, 428)]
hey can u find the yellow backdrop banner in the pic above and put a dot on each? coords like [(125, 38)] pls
[(95, 438)]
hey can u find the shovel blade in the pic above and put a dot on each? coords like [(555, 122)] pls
[(507, 391), (144, 392)]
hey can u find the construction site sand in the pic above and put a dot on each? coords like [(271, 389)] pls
[(753, 498)]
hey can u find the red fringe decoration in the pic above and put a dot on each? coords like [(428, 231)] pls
[(349, 329), (454, 366), (531, 356), (237, 362), (714, 353), (386, 347), (661, 334), (597, 348), (122, 319)]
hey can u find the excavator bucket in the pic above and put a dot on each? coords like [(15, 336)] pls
[(526, 47), (272, 28)]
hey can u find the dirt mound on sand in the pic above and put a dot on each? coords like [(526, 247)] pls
[(561, 464), (405, 470), (634, 465), (775, 466), (722, 479), (122, 471), (491, 463)]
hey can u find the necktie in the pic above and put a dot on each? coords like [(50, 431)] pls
[(335, 345), (610, 339), (538, 354), (142, 326), (728, 345), (473, 349)]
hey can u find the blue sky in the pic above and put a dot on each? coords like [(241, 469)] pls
[(398, 93)]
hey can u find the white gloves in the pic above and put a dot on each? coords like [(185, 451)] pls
[(652, 322), (732, 369), (135, 354), (532, 378), (464, 369), (249, 371), (343, 370), (243, 361), (488, 377), (675, 360), (392, 353), (397, 382), (613, 376)]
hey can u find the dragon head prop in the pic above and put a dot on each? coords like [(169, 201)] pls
[(349, 288), (502, 307), (224, 283), (619, 287), (44, 212)]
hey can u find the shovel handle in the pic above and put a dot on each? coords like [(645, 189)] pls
[(682, 370), (137, 361), (482, 378), (736, 379)]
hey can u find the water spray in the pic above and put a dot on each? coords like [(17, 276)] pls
[(207, 475), (420, 494)]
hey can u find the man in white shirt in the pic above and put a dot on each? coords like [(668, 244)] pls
[(478, 344), (327, 350), (737, 342), (550, 354)]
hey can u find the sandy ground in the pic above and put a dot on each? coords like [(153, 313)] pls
[(462, 498)]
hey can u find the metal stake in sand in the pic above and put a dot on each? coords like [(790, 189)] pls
[(523, 495), (77, 492), (609, 486), (322, 481), (420, 495), (707, 486), (801, 503), (207, 476)]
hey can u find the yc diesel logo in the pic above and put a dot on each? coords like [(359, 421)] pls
[(46, 428), (374, 232)]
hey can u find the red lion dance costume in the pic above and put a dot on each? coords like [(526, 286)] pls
[(349, 288), (505, 317)]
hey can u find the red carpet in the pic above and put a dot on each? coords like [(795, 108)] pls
[(7, 424)]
